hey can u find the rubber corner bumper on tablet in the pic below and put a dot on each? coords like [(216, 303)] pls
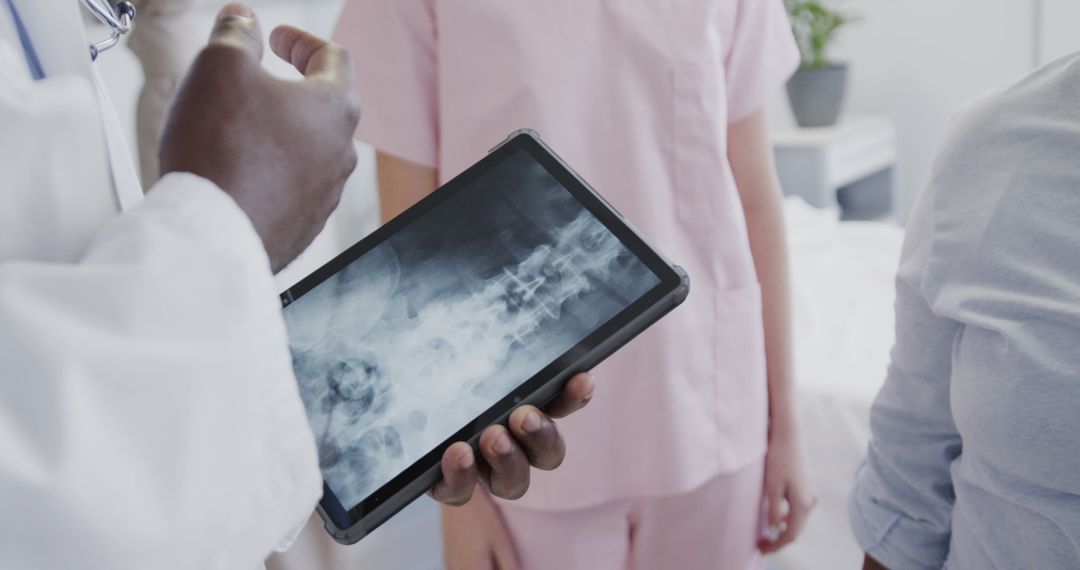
[(683, 291), (385, 511), (520, 132)]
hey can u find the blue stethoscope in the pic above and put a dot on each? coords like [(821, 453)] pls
[(117, 19)]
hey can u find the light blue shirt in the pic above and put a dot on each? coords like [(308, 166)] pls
[(975, 457)]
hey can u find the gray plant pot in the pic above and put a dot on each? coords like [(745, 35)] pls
[(817, 95)]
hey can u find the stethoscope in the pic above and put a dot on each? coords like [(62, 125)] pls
[(117, 19)]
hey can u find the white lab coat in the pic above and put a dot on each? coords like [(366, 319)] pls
[(149, 417)]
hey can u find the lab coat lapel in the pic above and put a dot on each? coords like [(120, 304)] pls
[(129, 192), (57, 30)]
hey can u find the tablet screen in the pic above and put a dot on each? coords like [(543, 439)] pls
[(425, 331)]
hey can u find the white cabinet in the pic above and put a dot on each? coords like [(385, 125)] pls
[(850, 166)]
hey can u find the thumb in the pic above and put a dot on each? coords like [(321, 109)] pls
[(238, 27), (314, 57)]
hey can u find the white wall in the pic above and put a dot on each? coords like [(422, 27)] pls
[(1058, 26), (919, 61)]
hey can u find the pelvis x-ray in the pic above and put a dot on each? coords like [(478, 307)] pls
[(426, 331)]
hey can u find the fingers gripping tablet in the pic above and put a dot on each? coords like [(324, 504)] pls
[(488, 294)]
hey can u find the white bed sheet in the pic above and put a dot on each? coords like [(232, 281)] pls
[(843, 289)]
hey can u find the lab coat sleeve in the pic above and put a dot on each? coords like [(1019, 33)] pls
[(901, 507), (149, 417)]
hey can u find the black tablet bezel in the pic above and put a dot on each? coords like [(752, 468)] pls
[(670, 281)]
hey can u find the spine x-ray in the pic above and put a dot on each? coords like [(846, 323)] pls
[(426, 331)]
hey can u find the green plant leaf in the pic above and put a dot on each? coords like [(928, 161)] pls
[(815, 26)]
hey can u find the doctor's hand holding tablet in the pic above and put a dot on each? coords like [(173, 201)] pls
[(283, 151)]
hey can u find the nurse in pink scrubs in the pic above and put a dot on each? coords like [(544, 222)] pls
[(660, 106)]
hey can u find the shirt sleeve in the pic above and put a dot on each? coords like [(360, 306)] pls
[(901, 507), (761, 56), (150, 417), (393, 45)]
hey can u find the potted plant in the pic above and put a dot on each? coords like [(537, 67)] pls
[(816, 91)]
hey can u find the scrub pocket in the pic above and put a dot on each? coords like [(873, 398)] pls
[(697, 98)]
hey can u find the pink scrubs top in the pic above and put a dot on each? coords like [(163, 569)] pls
[(637, 95)]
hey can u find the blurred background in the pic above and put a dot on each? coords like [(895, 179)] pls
[(897, 72)]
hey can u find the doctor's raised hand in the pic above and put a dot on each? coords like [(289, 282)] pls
[(281, 149)]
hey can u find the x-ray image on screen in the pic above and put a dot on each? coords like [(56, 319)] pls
[(423, 333)]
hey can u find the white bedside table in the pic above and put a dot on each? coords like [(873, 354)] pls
[(849, 166)]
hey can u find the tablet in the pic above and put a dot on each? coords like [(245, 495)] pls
[(488, 294)]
